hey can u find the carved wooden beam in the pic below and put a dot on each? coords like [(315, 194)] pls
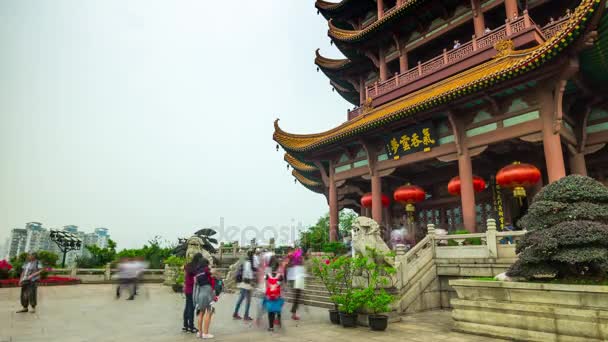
[(456, 130), (373, 58), (323, 172), (558, 93)]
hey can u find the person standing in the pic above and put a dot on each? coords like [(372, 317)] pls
[(29, 283), (203, 297), (273, 302), (245, 282), (295, 276), (189, 273)]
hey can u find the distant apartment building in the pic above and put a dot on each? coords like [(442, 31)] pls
[(36, 238), (17, 242)]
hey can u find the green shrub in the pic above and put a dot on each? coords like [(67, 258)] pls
[(568, 232), (469, 241), (573, 189), (543, 214), (175, 261), (338, 248)]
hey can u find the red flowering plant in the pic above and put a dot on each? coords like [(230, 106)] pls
[(5, 267)]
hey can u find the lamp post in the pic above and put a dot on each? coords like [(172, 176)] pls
[(66, 242)]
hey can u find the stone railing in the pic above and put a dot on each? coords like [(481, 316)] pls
[(453, 56), (105, 275), (494, 244)]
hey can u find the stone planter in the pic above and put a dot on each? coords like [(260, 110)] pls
[(531, 311)]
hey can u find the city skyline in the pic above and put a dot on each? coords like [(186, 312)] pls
[(127, 123)]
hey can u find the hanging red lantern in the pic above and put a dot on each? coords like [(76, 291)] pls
[(454, 185), (409, 195), (518, 176), (366, 200)]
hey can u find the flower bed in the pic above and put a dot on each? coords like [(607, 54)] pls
[(48, 281)]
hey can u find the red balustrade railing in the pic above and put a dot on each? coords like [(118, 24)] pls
[(455, 55)]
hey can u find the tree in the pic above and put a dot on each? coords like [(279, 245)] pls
[(99, 256), (567, 235), (317, 235), (153, 252)]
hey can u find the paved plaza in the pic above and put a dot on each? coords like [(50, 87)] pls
[(91, 313)]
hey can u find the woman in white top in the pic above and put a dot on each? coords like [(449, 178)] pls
[(245, 282)]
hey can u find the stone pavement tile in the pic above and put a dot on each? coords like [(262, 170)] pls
[(91, 313)]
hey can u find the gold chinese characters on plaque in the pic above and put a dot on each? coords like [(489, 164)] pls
[(410, 140)]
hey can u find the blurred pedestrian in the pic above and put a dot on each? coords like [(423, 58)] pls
[(245, 282), (127, 273), (29, 283), (273, 302), (295, 277), (203, 297), (189, 273)]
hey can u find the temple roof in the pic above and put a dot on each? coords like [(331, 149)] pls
[(311, 184), (506, 65), (332, 64), (339, 70), (299, 165), (357, 35), (344, 8), (594, 62)]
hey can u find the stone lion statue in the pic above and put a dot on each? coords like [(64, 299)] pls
[(366, 235), (195, 245)]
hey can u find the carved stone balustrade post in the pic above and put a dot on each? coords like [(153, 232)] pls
[(491, 238)]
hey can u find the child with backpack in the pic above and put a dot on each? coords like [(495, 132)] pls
[(273, 302)]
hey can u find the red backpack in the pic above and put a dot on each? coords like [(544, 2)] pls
[(273, 287)]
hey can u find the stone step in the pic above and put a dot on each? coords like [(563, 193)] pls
[(318, 304), (307, 296), (308, 291)]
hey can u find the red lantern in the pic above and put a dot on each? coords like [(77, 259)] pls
[(366, 200), (409, 195), (454, 185), (518, 176)]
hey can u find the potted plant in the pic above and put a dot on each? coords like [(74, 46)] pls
[(349, 299), (378, 302), (323, 270), (377, 275)]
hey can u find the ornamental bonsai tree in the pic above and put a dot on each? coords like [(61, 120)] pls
[(567, 237)]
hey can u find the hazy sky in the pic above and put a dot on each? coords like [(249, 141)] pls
[(156, 117)]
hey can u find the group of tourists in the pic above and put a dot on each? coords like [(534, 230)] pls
[(261, 274)]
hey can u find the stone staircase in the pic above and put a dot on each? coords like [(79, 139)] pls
[(314, 294)]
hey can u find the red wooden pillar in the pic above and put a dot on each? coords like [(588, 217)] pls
[(403, 61), (361, 91), (377, 198), (552, 145), (382, 65), (333, 206), (467, 192), (380, 4), (478, 19), (511, 9)]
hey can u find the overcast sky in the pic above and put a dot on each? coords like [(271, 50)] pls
[(156, 117)]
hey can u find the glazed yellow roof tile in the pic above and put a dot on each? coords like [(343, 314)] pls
[(330, 6), (305, 181), (354, 35), (328, 63), (299, 165), (510, 64)]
